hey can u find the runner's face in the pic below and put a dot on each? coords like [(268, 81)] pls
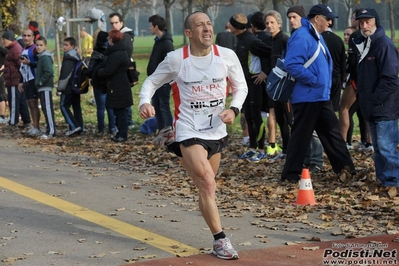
[(201, 30)]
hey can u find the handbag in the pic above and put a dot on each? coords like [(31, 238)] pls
[(280, 84), (133, 74)]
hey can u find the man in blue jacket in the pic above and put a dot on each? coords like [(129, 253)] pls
[(311, 103), (378, 94)]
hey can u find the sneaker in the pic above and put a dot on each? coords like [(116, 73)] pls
[(271, 152), (46, 136), (165, 136), (247, 155), (279, 156), (223, 249), (349, 146), (34, 132), (131, 127), (3, 120), (368, 147), (92, 102), (73, 131), (258, 157), (245, 142)]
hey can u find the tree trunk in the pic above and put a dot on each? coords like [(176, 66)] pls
[(168, 4), (392, 19)]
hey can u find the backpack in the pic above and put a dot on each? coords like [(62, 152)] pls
[(80, 79)]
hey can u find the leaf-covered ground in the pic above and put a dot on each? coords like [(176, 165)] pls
[(353, 208)]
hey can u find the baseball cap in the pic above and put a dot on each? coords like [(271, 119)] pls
[(9, 35), (321, 9), (367, 13)]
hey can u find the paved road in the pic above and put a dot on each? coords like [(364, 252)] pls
[(69, 209)]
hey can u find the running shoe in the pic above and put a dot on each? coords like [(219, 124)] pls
[(72, 131), (223, 249), (271, 152), (247, 155), (46, 136), (3, 120), (258, 157), (165, 137), (34, 132)]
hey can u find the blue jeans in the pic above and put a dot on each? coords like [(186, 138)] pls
[(161, 103), (385, 137), (100, 105), (314, 155)]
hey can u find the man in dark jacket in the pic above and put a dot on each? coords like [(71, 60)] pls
[(163, 45), (378, 94), (337, 50)]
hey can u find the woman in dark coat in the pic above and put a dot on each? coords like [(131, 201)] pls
[(119, 93)]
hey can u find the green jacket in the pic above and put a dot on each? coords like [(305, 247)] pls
[(44, 79)]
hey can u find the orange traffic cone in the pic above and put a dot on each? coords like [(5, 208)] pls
[(305, 193)]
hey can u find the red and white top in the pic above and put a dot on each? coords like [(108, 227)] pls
[(199, 88)]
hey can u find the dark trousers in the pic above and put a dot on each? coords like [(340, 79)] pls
[(18, 106), (46, 101), (161, 103), (282, 111), (252, 110), (121, 119), (317, 116), (73, 120)]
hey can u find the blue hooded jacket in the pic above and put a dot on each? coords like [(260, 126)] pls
[(313, 84)]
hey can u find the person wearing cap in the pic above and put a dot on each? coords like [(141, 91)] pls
[(294, 15), (312, 108), (254, 57), (378, 94), (16, 98)]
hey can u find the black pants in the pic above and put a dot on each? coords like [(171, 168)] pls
[(73, 120), (46, 101), (282, 111), (252, 110), (317, 116), (18, 106)]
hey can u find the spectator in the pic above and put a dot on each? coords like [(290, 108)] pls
[(119, 94), (68, 97), (254, 56), (279, 112), (3, 94), (116, 21), (378, 93), (44, 82), (16, 98), (87, 45), (15, 28), (100, 93), (226, 38), (27, 82), (313, 109), (163, 45)]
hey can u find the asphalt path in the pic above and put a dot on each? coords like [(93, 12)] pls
[(69, 209)]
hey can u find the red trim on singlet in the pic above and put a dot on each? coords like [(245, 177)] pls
[(185, 52)]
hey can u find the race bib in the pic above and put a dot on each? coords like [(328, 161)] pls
[(207, 118)]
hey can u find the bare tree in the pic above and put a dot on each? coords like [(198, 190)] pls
[(168, 4)]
